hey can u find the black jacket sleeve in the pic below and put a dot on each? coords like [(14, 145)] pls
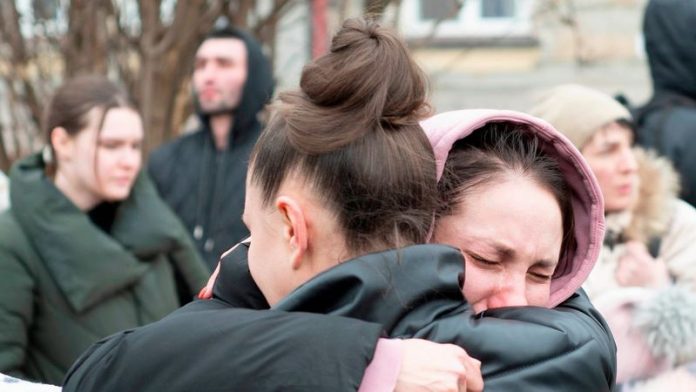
[(234, 285), (207, 346), (568, 348)]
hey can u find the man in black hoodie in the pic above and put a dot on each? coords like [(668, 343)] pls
[(667, 122), (202, 175)]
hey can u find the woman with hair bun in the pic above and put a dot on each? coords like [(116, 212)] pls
[(341, 191), (342, 170)]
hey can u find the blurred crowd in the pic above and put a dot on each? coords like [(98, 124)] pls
[(96, 239)]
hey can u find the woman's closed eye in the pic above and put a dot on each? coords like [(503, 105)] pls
[(482, 260), (541, 277)]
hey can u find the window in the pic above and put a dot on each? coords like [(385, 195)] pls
[(476, 19), (497, 8), (438, 9), (45, 9)]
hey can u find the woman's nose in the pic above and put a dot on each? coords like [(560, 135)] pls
[(628, 162), (509, 294), (130, 158)]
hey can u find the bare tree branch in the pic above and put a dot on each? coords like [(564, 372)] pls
[(239, 15), (150, 23), (279, 6), (209, 18), (457, 6), (85, 44), (5, 161), (11, 32), (376, 7), (568, 16), (153, 61), (188, 16), (19, 58)]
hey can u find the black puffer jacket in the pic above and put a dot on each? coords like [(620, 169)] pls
[(529, 349), (205, 187), (667, 122)]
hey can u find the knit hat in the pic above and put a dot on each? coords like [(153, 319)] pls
[(578, 111)]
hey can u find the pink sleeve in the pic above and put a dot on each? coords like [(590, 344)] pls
[(382, 373)]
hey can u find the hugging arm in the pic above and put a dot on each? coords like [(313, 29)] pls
[(207, 345), (567, 348), (544, 349)]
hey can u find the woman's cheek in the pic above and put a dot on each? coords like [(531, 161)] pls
[(478, 286), (540, 294)]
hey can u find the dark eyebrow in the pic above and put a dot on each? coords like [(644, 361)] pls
[(215, 57), (117, 140)]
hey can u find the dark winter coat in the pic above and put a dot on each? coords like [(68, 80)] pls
[(211, 346), (667, 122), (204, 186), (66, 283)]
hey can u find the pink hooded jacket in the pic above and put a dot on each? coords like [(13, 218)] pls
[(444, 130)]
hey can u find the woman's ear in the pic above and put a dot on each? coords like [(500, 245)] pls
[(295, 233), (62, 143)]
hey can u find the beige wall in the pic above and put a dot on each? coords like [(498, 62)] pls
[(604, 51)]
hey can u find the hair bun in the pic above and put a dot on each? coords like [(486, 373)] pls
[(367, 79)]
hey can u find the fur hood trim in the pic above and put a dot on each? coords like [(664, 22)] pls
[(659, 185), (668, 322)]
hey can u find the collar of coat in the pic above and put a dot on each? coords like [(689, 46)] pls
[(378, 287), (381, 287), (86, 263)]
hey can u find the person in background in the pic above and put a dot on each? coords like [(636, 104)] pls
[(87, 247), (202, 175), (645, 280), (667, 122)]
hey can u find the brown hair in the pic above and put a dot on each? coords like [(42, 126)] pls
[(70, 105), (491, 152), (352, 134)]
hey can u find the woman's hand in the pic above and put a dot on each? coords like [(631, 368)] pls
[(428, 366), (638, 268)]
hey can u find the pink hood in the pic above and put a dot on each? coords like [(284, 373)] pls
[(445, 129)]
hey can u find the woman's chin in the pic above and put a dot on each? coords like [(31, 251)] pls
[(117, 194)]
